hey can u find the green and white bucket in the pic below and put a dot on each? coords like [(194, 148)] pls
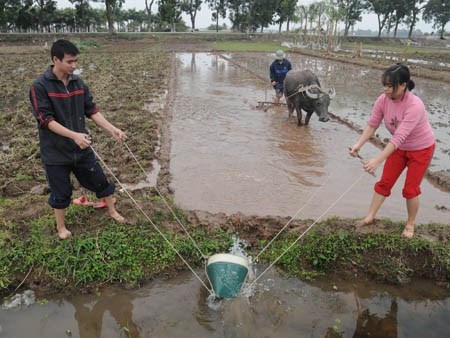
[(227, 273)]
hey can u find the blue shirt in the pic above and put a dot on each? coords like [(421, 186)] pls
[(278, 70)]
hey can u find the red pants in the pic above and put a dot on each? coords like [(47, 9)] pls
[(417, 162)]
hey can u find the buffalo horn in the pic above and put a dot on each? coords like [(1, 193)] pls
[(310, 94), (331, 93)]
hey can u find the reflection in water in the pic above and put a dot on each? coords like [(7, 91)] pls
[(207, 314), (300, 146), (372, 325), (90, 313), (278, 307), (369, 324), (193, 64)]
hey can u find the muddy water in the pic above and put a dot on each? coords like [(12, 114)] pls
[(227, 156), (278, 307)]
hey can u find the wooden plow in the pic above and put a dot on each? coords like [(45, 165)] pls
[(264, 105)]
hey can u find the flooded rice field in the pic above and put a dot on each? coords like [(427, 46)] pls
[(278, 307), (228, 156)]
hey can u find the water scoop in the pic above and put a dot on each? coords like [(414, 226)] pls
[(227, 273)]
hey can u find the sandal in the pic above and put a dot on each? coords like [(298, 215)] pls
[(83, 200), (102, 203), (408, 232)]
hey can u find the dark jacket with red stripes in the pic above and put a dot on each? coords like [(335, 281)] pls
[(52, 100)]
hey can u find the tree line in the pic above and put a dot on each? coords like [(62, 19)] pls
[(244, 15)]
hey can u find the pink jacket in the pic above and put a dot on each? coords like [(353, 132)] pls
[(406, 119)]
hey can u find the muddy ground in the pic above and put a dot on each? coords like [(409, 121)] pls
[(132, 82)]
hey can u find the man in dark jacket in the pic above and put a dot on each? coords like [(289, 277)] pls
[(61, 101), (278, 70)]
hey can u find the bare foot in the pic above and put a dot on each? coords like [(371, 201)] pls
[(364, 222), (408, 232), (63, 233), (117, 217)]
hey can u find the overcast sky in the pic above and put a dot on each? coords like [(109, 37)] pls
[(203, 19)]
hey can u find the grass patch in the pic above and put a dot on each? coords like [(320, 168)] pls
[(85, 45), (111, 254), (237, 46), (385, 256), (395, 48)]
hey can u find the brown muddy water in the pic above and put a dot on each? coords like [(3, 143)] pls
[(228, 156), (278, 307)]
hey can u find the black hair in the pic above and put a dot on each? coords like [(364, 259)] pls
[(397, 74), (61, 47)]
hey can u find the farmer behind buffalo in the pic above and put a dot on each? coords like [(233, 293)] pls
[(278, 70), (61, 101)]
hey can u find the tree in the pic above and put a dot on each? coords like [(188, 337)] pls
[(312, 14), (335, 14), (191, 7), (321, 8), (249, 15), (415, 7), (135, 19), (81, 7), (299, 16), (110, 6), (239, 14), (44, 8), (401, 9), (27, 18), (285, 12), (263, 13), (169, 12), (148, 10), (9, 11), (352, 12), (219, 10), (383, 9), (438, 12), (303, 13)]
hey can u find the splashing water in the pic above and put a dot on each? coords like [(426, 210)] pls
[(238, 249), (24, 299)]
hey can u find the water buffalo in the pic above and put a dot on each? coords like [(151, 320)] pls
[(303, 91)]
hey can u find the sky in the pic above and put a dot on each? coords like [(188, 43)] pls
[(203, 19)]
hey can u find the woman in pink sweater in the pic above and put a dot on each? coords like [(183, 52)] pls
[(411, 146)]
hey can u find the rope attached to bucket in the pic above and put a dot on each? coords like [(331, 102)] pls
[(292, 218), (304, 233), (150, 220), (167, 204)]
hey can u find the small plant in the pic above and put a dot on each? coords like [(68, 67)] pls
[(337, 324)]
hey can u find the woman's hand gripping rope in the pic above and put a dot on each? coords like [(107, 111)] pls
[(354, 153)]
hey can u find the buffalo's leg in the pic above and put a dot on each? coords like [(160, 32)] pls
[(299, 116), (290, 107), (308, 116)]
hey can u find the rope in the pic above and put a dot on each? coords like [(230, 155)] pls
[(306, 231), (167, 204), (292, 218), (149, 219), (302, 89)]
